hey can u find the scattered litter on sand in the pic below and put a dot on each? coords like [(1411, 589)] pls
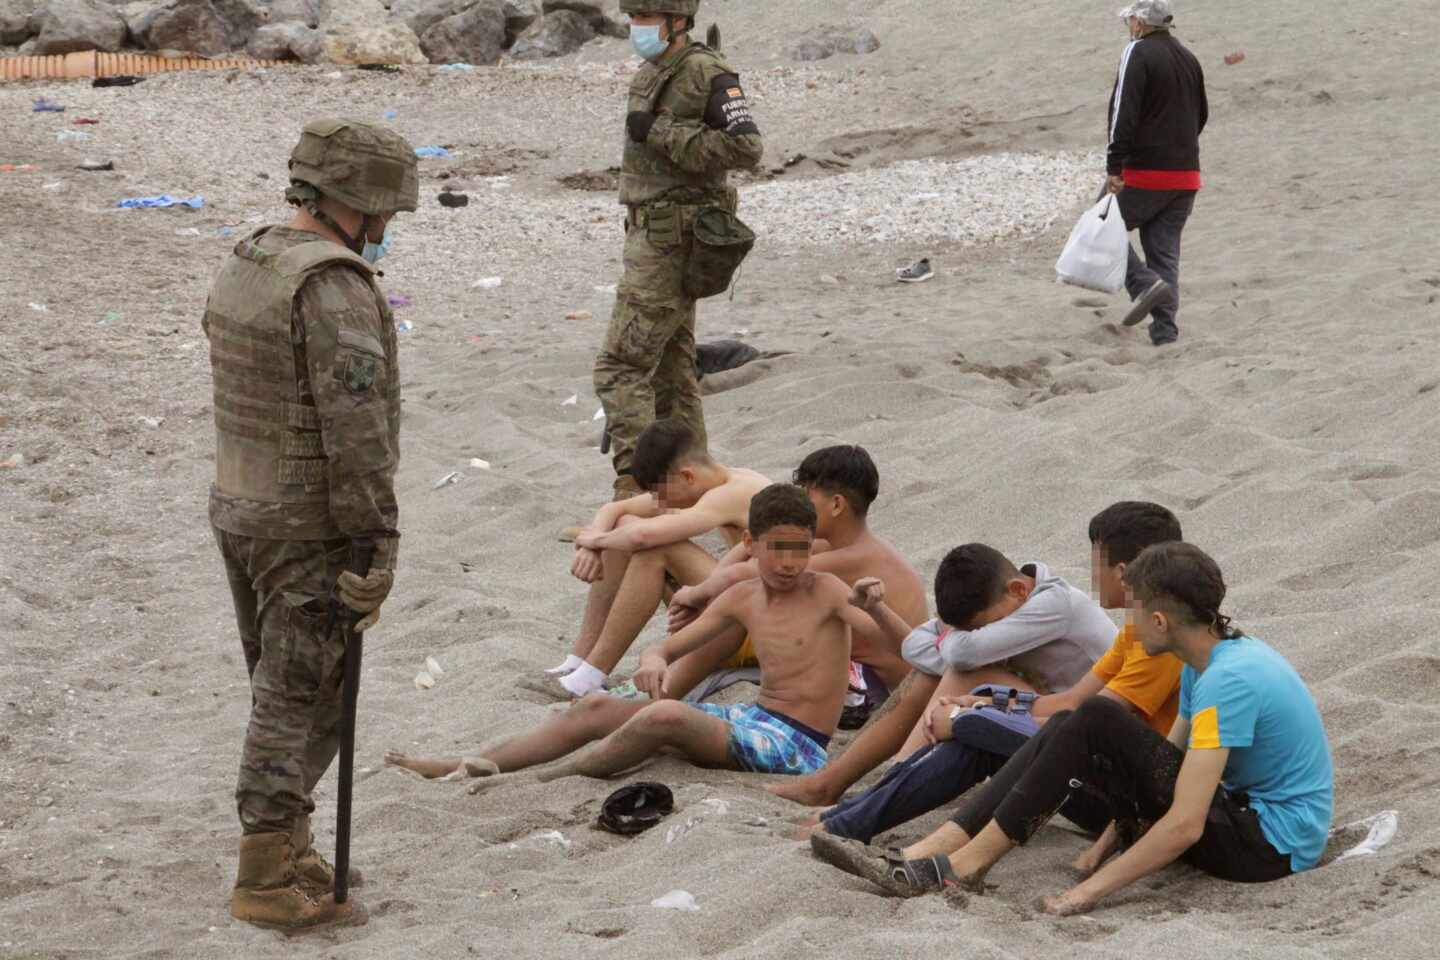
[(676, 900), (486, 283), (1383, 827), (479, 464), (572, 400), (447, 480)]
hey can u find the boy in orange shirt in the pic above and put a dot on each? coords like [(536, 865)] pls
[(973, 736)]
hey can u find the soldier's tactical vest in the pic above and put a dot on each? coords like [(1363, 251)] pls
[(647, 174), (268, 440)]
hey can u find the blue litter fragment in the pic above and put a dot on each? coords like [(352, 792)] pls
[(458, 67), (438, 152), (391, 114), (164, 200), (48, 106)]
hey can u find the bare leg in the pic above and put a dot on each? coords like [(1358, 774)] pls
[(945, 840), (879, 656), (957, 684), (588, 720), (599, 602), (701, 738), (972, 861), (640, 594)]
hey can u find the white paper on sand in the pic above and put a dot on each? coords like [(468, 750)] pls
[(1383, 827), (573, 400), (479, 464), (1094, 256), (424, 681), (676, 900), (486, 283)]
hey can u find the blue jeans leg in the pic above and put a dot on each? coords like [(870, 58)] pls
[(933, 776)]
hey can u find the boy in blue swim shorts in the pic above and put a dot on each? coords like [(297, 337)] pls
[(799, 623)]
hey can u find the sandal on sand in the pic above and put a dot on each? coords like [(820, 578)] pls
[(1154, 295), (888, 870)]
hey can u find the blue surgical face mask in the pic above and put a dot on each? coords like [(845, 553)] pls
[(374, 251), (647, 41)]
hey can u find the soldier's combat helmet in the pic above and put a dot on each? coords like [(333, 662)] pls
[(686, 8), (369, 169)]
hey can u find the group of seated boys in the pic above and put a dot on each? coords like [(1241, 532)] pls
[(1174, 737)]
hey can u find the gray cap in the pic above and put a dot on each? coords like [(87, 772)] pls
[(1154, 13)]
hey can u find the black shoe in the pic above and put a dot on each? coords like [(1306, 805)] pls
[(917, 272), (1156, 294)]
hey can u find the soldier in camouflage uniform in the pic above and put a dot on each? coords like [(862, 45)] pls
[(307, 416), (688, 125)]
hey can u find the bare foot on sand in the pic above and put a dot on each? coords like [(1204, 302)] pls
[(802, 827), (803, 790), (441, 767)]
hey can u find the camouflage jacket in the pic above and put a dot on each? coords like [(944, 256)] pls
[(703, 129)]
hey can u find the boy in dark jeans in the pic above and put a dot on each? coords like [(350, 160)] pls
[(1242, 788)]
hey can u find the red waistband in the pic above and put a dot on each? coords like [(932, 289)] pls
[(1162, 179)]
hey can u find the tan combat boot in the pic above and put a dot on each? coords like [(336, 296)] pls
[(315, 872), (268, 891)]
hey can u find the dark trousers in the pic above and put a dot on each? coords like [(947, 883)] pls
[(1102, 757), (1160, 216), (929, 778)]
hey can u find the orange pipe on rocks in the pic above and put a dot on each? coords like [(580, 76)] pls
[(93, 63)]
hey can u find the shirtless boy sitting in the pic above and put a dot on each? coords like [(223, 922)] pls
[(842, 483), (632, 546), (800, 623)]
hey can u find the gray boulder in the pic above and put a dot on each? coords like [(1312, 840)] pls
[(206, 27), (288, 40), (830, 40), (553, 35), (66, 26), (421, 15), (308, 12), (15, 21), (594, 14), (519, 15), (475, 35)]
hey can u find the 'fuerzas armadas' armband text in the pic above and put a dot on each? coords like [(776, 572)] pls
[(728, 110)]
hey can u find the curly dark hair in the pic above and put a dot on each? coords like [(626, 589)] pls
[(780, 505)]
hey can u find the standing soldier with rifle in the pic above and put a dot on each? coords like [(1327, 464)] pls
[(307, 415), (687, 125)]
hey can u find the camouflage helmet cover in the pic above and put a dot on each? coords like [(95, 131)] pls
[(369, 169), (686, 8)]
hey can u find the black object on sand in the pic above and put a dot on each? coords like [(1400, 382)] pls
[(636, 808)]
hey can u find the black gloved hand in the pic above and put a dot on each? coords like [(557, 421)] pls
[(639, 123)]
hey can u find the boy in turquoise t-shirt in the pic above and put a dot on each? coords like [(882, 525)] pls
[(1242, 788)]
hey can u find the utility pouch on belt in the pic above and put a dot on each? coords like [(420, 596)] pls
[(664, 226), (722, 241)]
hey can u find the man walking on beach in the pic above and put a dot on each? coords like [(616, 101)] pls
[(1157, 112), (307, 417), (688, 124)]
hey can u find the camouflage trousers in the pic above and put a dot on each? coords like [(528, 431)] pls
[(281, 590), (646, 367)]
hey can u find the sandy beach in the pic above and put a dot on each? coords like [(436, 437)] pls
[(1292, 429)]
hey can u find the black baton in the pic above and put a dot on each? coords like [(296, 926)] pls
[(361, 554)]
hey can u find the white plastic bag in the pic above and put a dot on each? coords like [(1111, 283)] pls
[(1094, 257)]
